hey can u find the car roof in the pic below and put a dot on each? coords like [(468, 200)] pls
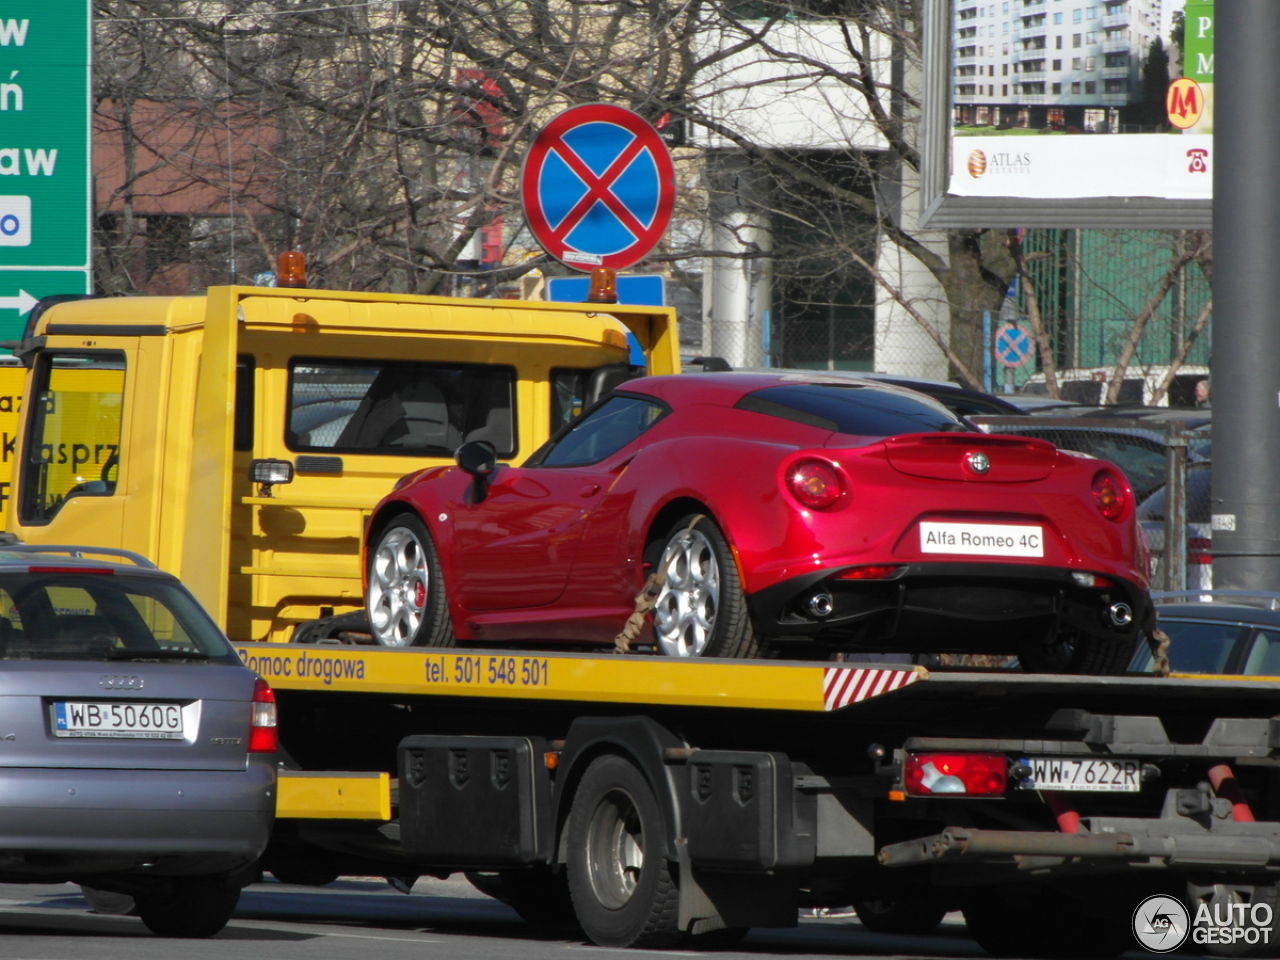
[(21, 556), (1231, 606), (728, 387)]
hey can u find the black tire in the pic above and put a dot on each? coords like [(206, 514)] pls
[(1219, 895), (701, 610), (108, 902), (910, 912), (1010, 922), (1099, 655), (623, 889), (192, 907), (406, 598), (304, 875), (539, 896)]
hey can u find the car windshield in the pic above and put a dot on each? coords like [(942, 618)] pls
[(65, 614), (1199, 478), (856, 409)]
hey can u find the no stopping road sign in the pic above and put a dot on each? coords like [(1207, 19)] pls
[(598, 187)]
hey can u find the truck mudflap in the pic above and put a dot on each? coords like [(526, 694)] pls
[(1233, 846)]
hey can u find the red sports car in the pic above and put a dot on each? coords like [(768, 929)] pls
[(784, 515)]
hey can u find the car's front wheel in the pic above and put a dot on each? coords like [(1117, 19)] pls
[(701, 609), (406, 596)]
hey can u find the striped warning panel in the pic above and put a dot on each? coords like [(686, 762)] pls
[(842, 686)]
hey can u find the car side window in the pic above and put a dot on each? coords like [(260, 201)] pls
[(1264, 655), (604, 431), (1196, 647)]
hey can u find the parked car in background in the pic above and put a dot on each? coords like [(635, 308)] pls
[(1088, 385), (1218, 632), (1153, 514), (781, 511), (138, 752)]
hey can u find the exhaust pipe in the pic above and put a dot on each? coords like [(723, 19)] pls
[(820, 605), (1121, 614)]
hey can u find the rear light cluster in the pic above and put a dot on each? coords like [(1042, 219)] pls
[(263, 736), (970, 774), (1198, 550), (1110, 495), (814, 483)]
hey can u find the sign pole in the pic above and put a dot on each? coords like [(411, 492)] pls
[(1246, 337)]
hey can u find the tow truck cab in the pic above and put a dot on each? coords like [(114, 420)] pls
[(151, 417)]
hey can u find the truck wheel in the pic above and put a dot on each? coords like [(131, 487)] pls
[(1080, 653), (1237, 902), (191, 907), (539, 896), (406, 597), (917, 912), (622, 888), (1009, 922), (701, 610)]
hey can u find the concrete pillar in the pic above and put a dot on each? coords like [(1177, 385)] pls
[(736, 323)]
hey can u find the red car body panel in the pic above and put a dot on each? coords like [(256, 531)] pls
[(557, 553)]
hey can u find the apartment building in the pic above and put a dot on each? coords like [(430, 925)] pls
[(1055, 64)]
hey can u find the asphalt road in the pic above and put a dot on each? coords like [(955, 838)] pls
[(357, 919)]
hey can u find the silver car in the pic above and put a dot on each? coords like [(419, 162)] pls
[(137, 753)]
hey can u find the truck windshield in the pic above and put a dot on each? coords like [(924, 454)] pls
[(74, 436), (100, 615), (393, 407)]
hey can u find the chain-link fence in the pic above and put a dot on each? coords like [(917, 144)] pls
[(1166, 458)]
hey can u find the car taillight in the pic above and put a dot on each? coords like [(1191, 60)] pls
[(1198, 550), (815, 483), (872, 571), (263, 737), (932, 774), (1110, 495)]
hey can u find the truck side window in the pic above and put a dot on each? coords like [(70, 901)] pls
[(244, 402), (394, 408), (73, 440), (568, 393)]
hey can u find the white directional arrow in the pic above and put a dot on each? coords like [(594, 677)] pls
[(23, 302)]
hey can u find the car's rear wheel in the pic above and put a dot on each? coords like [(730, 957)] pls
[(1077, 652), (701, 610), (406, 596), (189, 907)]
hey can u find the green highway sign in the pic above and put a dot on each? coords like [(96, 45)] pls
[(20, 289), (45, 133)]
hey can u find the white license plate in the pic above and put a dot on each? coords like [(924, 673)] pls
[(137, 721), (982, 539), (1087, 776)]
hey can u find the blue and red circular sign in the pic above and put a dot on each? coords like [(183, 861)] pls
[(598, 187)]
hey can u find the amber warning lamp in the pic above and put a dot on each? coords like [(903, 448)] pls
[(604, 286), (291, 269)]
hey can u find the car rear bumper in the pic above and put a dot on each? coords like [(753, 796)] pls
[(63, 822), (947, 607)]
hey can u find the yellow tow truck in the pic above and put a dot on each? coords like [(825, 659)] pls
[(240, 438)]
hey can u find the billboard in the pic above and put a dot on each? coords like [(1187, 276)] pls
[(1068, 113)]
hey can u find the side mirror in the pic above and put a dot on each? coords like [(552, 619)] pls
[(478, 458)]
